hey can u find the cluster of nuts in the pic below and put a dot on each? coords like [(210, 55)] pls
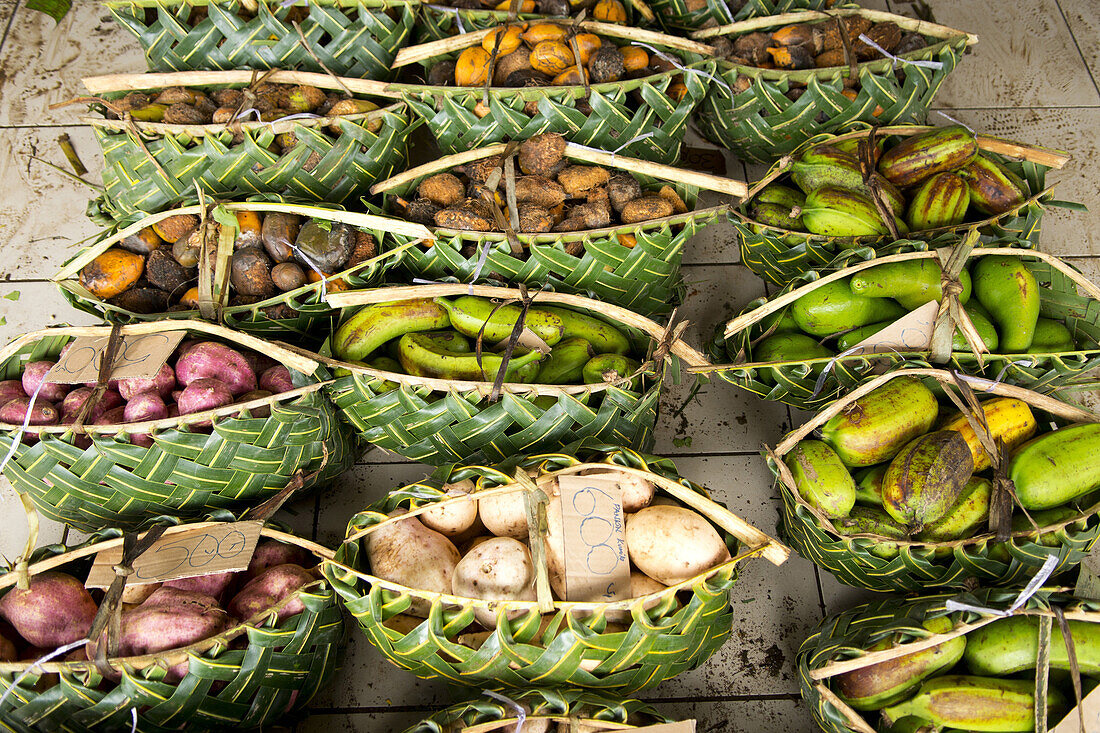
[(156, 269), (605, 11), (552, 195)]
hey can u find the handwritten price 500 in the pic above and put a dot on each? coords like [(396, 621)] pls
[(193, 553)]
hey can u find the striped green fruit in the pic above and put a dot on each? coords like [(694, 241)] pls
[(981, 704), (877, 425), (920, 157), (940, 201), (821, 479), (1010, 645), (869, 485), (966, 517), (1057, 467), (994, 189), (926, 478), (870, 520), (838, 212)]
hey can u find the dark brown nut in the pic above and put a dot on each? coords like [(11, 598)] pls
[(527, 78), (142, 242), (534, 219), (174, 227), (518, 60), (577, 179), (541, 154), (141, 299), (606, 65), (442, 189), (288, 276), (909, 43), (278, 234), (886, 35), (752, 47), (479, 171), (539, 191), (250, 273), (621, 189), (422, 211), (557, 8), (228, 97), (442, 74), (324, 250), (164, 272), (646, 208)]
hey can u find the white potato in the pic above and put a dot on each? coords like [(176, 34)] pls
[(408, 553), (453, 515), (638, 492), (499, 569), (505, 515), (672, 544)]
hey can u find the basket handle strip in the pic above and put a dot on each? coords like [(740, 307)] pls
[(854, 719), (923, 27), (687, 353), (109, 83)]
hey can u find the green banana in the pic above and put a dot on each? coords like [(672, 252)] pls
[(1057, 467), (982, 325), (385, 364), (926, 478), (449, 341), (994, 189), (833, 307), (779, 216), (421, 357), (965, 518), (604, 338), (869, 520), (374, 325), (1011, 644), (1010, 292), (838, 212), (982, 704), (565, 364), (822, 480), (912, 283), (869, 485), (777, 193), (882, 684), (470, 315), (922, 156), (787, 347), (1051, 337), (941, 201), (596, 369), (877, 425)]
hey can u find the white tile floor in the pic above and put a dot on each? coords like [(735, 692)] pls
[(1033, 77)]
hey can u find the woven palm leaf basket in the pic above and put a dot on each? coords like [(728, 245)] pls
[(644, 116), (693, 15), (354, 38), (211, 236), (439, 421), (592, 711), (625, 645), (1065, 295), (441, 20), (636, 266), (779, 255), (249, 673), (762, 114), (151, 166), (101, 473), (952, 635), (862, 555)]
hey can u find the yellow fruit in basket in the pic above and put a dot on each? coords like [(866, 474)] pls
[(634, 59), (551, 57), (527, 6), (569, 78), (505, 39), (472, 67), (609, 11), (587, 44), (677, 90), (536, 33)]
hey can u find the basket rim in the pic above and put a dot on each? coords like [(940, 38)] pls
[(108, 83), (924, 27), (337, 3), (179, 654), (639, 5)]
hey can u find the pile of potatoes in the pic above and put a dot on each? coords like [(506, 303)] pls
[(57, 610), (156, 270), (667, 544), (200, 376), (553, 194)]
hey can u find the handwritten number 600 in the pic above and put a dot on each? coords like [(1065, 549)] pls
[(595, 532)]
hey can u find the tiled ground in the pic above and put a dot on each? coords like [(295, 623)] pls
[(1033, 77)]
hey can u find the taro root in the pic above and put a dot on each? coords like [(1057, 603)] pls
[(142, 242), (539, 191), (541, 154), (250, 273), (909, 43), (175, 95), (479, 171), (132, 101), (288, 276), (172, 228), (527, 78), (472, 215), (621, 189), (558, 8), (578, 179), (228, 97), (164, 272), (646, 208), (606, 65), (185, 114), (304, 98), (593, 216), (442, 189), (55, 610), (421, 211), (365, 248), (327, 251), (535, 219), (886, 35), (112, 272), (278, 234), (678, 205)]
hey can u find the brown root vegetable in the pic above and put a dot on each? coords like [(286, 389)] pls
[(228, 97), (527, 78), (14, 412), (145, 407), (606, 65), (33, 380), (112, 272), (132, 101), (622, 188), (326, 251), (578, 179), (172, 228), (250, 273), (163, 382), (304, 98), (185, 114), (422, 211), (669, 193), (142, 242), (535, 219), (278, 234), (269, 588), (539, 191), (479, 171), (288, 276), (277, 380), (646, 208), (886, 35), (55, 610), (442, 189), (270, 553), (408, 553), (204, 394), (142, 298), (175, 95), (75, 400), (165, 273), (442, 74), (213, 585), (365, 248), (471, 215), (213, 359), (593, 216), (11, 389)]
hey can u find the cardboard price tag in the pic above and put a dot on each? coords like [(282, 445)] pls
[(911, 332), (138, 356), (201, 551), (1072, 722), (596, 564), (681, 726), (1088, 582)]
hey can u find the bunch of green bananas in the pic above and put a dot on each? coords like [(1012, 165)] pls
[(930, 180), (434, 337)]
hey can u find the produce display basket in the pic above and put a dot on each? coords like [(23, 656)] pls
[(252, 675), (890, 628), (781, 255), (760, 123), (650, 639), (954, 564), (691, 15), (636, 266), (244, 459), (1071, 299), (356, 38), (440, 20), (301, 312), (634, 117), (150, 166), (595, 712), (440, 421)]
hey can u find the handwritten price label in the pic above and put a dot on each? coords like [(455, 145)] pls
[(911, 332), (1091, 706), (137, 357), (201, 551), (596, 564)]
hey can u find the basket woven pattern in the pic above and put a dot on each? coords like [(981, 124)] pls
[(243, 461), (281, 667), (692, 15), (661, 641), (438, 21), (355, 39), (761, 124), (321, 167), (796, 381)]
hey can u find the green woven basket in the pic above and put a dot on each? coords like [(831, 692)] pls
[(440, 421), (781, 255), (624, 645), (1071, 298), (152, 166), (302, 313), (594, 712), (751, 114), (440, 20), (636, 266), (634, 117), (255, 674), (691, 15), (840, 642), (917, 565), (356, 38), (244, 459)]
